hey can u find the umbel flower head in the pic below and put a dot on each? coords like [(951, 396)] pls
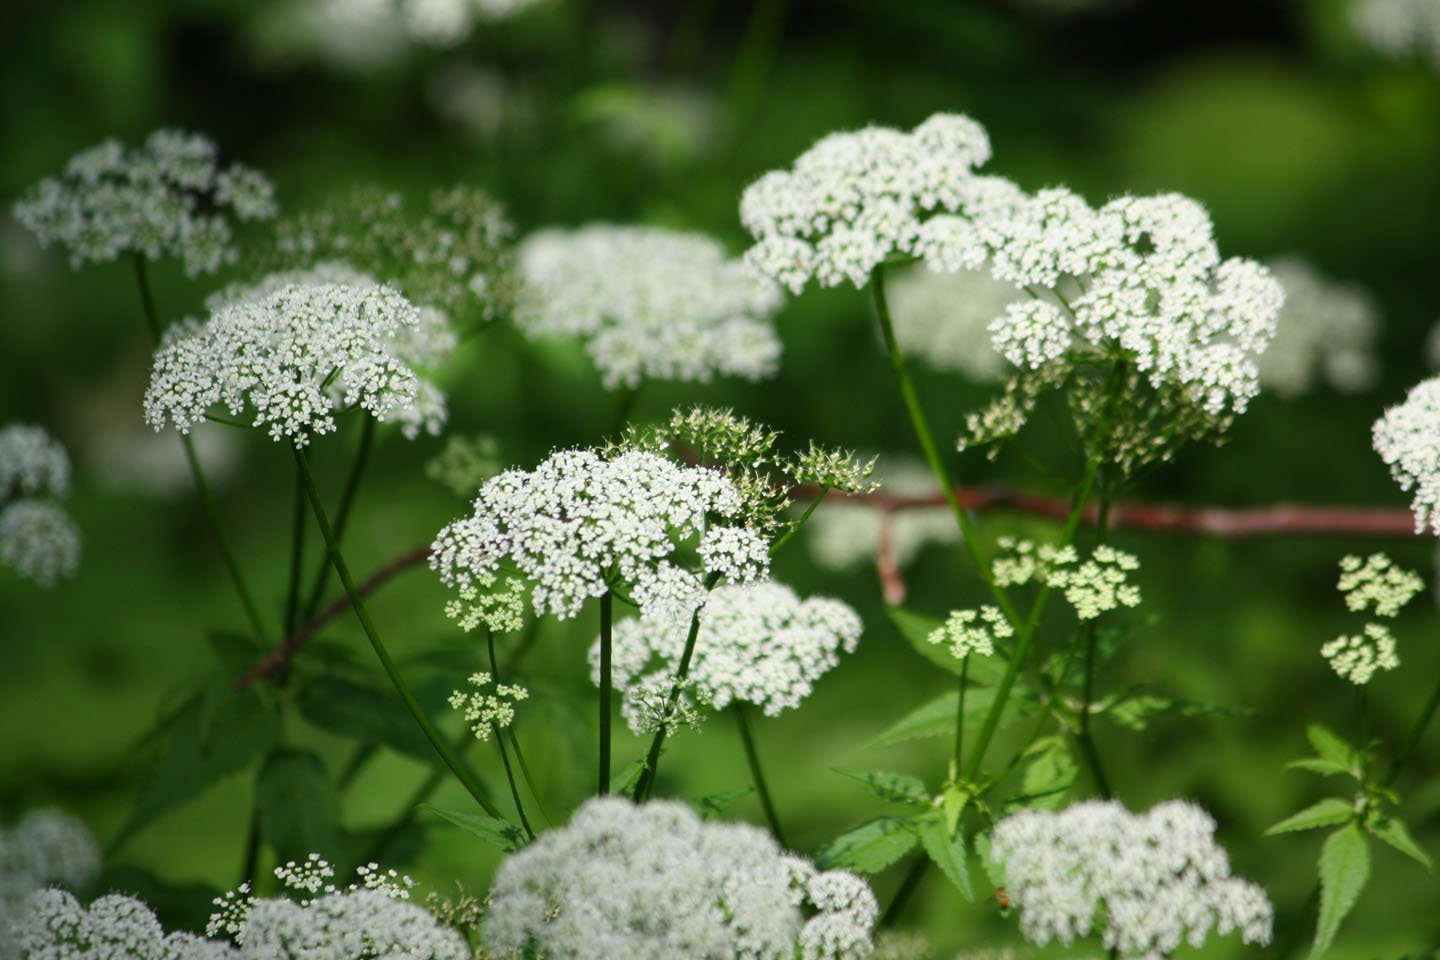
[(1376, 585), (167, 198), (583, 522), (758, 643), (292, 360), (45, 847), (1407, 438), (32, 463), (1158, 879), (650, 303), (38, 540), (655, 882), (1325, 334)]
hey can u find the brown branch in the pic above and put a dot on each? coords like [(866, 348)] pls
[(277, 662), (887, 568)]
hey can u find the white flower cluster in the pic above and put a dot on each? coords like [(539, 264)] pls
[(944, 319), (1407, 438), (1140, 277), (296, 358), (1374, 583), (46, 846), (656, 882), (650, 303), (38, 540), (132, 458), (1098, 585), (167, 198), (1159, 877), (843, 534), (972, 631), (361, 33), (421, 346), (759, 643), (486, 711), (1399, 28), (581, 522), (56, 926), (1325, 333)]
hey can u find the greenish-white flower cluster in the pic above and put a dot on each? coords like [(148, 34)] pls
[(1150, 882), (655, 882), (759, 643), (38, 540), (486, 711), (973, 631), (167, 198), (1374, 584), (1407, 438), (1325, 333), (465, 463), (1093, 587), (293, 359), (649, 303)]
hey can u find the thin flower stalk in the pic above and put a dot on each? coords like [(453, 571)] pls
[(752, 758)]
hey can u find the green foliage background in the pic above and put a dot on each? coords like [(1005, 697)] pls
[(1269, 113)]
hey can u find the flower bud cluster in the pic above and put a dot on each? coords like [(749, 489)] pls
[(486, 712), (1094, 587)]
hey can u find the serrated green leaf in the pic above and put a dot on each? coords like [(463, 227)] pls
[(1049, 774), (870, 847), (916, 629), (956, 799), (994, 870), (1326, 813), (498, 833), (1329, 746), (1344, 868), (937, 718), (295, 799), (1395, 833), (893, 787), (1317, 765), (713, 805), (361, 712), (948, 853)]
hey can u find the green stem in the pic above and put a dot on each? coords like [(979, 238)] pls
[(514, 743), (607, 616), (529, 780), (297, 556), (342, 514), (147, 299), (753, 759), (1087, 741), (625, 407), (646, 782), (357, 602), (912, 879), (1416, 732), (923, 433), (795, 527), (957, 761), (510, 778)]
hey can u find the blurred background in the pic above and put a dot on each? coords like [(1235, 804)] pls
[(1299, 133)]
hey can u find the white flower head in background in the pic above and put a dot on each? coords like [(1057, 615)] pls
[(856, 198), (46, 847), (650, 303), (842, 535), (944, 319), (294, 359), (38, 540), (655, 882), (582, 522), (167, 198), (1407, 438), (1159, 878), (1399, 28), (360, 34), (758, 643), (1325, 334)]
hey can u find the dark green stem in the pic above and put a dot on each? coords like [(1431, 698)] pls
[(957, 761), (912, 879), (607, 615), (342, 514), (1087, 741), (1416, 732), (646, 782), (357, 603), (297, 556), (510, 778), (753, 759), (515, 745)]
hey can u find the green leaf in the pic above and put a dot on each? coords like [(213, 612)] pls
[(1344, 868), (361, 712), (629, 775), (237, 652), (1134, 709), (713, 805), (894, 787), (1394, 832), (937, 718), (916, 629), (1329, 746), (1326, 813), (1049, 775), (295, 799), (948, 852), (1317, 765), (497, 833), (870, 847)]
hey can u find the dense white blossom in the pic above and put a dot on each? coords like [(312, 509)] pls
[(167, 198), (581, 522), (484, 711), (1357, 657), (1159, 878), (1407, 438), (856, 198), (294, 359), (655, 882), (759, 643), (649, 303), (944, 318), (46, 846), (55, 926), (39, 541), (1325, 333), (1400, 28), (972, 631), (32, 462), (843, 534)]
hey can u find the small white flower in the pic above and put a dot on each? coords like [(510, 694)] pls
[(1358, 657), (1099, 584), (972, 631), (486, 711), (1377, 582), (39, 541)]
